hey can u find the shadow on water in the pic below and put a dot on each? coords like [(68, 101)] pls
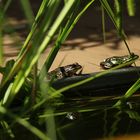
[(89, 115), (99, 121), (88, 118)]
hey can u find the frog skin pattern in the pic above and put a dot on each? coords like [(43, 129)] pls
[(65, 71), (117, 60)]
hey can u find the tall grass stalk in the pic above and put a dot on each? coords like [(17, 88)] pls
[(31, 56), (3, 10), (33, 28), (26, 46), (57, 92), (73, 19), (113, 19), (49, 22), (129, 93), (50, 124), (24, 123), (136, 85), (123, 36), (118, 14), (103, 23), (27, 11), (1, 38), (131, 7)]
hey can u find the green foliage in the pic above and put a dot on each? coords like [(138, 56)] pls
[(5, 70), (131, 7), (27, 11), (118, 13), (54, 19)]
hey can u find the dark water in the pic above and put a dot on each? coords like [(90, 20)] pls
[(100, 121), (88, 119), (98, 124)]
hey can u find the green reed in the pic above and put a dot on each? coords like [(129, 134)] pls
[(54, 19), (3, 10)]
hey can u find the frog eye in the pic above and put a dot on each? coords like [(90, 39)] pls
[(108, 65), (75, 64), (132, 54)]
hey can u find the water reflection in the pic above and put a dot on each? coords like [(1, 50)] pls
[(97, 119), (86, 118)]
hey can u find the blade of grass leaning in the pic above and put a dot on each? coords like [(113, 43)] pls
[(26, 46), (133, 89), (39, 50), (34, 53), (38, 17), (3, 10), (27, 11), (1, 33), (7, 129), (131, 7), (47, 21), (118, 14), (129, 93), (82, 82), (34, 26), (50, 122), (6, 6), (42, 29), (65, 1), (103, 23), (24, 123), (113, 18), (133, 115), (1, 38), (61, 38)]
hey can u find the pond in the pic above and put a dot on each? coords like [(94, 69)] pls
[(87, 118), (100, 120), (87, 112)]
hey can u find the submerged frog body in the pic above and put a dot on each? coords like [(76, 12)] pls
[(65, 71), (73, 116), (117, 60)]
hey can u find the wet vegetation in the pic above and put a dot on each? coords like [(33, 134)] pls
[(30, 105)]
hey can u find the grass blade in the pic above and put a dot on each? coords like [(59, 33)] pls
[(33, 54), (129, 93), (24, 123), (103, 24), (118, 14), (56, 93), (113, 18), (27, 11), (62, 37), (131, 7)]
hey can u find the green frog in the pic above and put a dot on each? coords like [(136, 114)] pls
[(65, 71), (117, 60)]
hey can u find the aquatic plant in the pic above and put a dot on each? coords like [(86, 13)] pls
[(24, 93)]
